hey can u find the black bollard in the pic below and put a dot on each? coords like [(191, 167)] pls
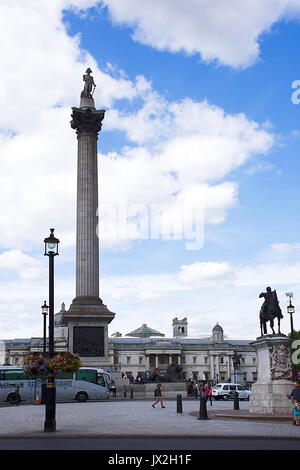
[(203, 410), (131, 393), (236, 404), (179, 404)]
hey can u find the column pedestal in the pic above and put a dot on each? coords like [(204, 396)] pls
[(269, 393)]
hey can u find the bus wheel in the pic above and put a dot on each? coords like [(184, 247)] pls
[(12, 398), (81, 396)]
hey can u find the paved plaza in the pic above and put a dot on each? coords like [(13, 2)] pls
[(137, 418)]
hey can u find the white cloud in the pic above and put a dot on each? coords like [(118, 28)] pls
[(285, 248), (228, 32), (25, 266), (205, 274)]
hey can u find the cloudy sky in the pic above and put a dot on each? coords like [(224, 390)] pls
[(198, 158)]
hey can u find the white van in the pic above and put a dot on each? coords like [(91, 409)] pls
[(224, 391)]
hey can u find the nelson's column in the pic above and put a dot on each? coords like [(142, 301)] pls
[(87, 318)]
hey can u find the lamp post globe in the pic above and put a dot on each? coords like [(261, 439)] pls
[(51, 244)]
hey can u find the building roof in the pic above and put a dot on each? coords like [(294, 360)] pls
[(144, 332), (174, 341)]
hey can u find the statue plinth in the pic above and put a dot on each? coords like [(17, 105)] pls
[(274, 373), (87, 103), (237, 377)]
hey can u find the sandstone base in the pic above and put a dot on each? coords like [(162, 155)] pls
[(270, 398), (269, 393)]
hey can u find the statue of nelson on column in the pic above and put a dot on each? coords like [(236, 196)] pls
[(89, 85)]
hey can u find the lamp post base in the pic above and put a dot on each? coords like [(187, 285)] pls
[(50, 426), (50, 422)]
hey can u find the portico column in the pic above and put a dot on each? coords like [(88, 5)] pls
[(156, 361), (211, 359), (228, 367), (217, 368)]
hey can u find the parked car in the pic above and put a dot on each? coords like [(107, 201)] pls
[(224, 391)]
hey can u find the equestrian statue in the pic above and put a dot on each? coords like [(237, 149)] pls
[(269, 311)]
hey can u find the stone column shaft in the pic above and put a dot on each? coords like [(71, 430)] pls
[(87, 242)]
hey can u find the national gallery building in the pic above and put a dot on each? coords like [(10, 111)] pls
[(144, 349)]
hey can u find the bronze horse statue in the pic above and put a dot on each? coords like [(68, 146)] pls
[(269, 311)]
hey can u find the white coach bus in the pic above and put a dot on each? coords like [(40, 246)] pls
[(87, 383)]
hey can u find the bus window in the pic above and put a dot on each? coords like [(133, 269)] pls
[(88, 375), (14, 375), (64, 375), (100, 379)]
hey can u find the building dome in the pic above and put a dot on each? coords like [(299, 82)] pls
[(217, 328), (144, 332), (217, 334), (58, 317)]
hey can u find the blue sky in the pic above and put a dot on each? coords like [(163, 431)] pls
[(199, 115)]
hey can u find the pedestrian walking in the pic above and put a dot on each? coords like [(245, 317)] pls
[(190, 389), (208, 393), (158, 395), (295, 396), (113, 388), (125, 390), (17, 392)]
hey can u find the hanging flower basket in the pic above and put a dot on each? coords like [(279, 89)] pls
[(66, 363), (36, 366)]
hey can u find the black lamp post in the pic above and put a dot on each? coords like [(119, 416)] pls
[(45, 309), (291, 311), (51, 250)]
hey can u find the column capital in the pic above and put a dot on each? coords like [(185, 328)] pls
[(87, 120)]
